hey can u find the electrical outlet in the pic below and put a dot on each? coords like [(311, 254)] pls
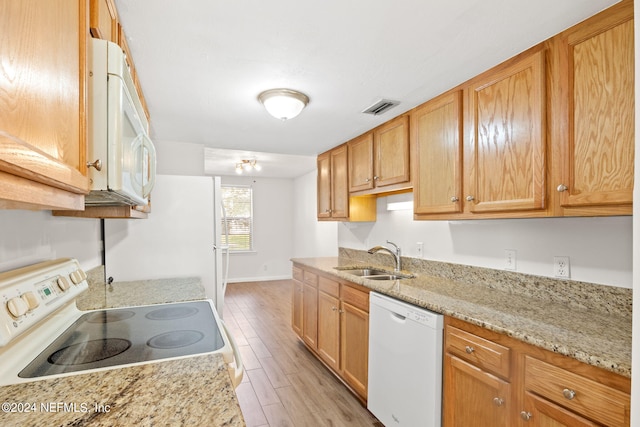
[(510, 259), (561, 267), (420, 249)]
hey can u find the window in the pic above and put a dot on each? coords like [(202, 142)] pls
[(238, 230)]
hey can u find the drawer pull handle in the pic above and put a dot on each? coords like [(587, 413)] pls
[(568, 393), (525, 415), (497, 401), (469, 349)]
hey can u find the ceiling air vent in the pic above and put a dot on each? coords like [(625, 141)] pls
[(381, 107)]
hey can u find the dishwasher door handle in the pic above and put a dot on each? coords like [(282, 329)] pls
[(398, 317)]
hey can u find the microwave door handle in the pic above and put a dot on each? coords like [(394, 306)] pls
[(146, 189)]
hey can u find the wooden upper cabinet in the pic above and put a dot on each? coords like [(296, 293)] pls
[(379, 160), (334, 202), (339, 183), (324, 185), (43, 132), (103, 20), (361, 163), (436, 135), (333, 195), (506, 137), (391, 148), (596, 147)]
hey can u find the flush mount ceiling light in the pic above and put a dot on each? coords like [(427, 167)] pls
[(283, 104), (247, 165)]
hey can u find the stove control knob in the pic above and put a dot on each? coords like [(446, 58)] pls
[(63, 283), (31, 300), (17, 307), (78, 276)]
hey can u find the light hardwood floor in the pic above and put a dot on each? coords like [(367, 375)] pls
[(284, 384)]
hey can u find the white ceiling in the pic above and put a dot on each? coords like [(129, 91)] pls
[(202, 63)]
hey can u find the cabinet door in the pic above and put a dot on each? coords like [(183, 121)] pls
[(354, 347), (296, 307), (103, 20), (324, 185), (361, 163), (597, 72), (391, 151), (473, 397), (42, 97), (310, 316), (329, 329), (437, 141), (506, 147), (542, 413), (339, 184)]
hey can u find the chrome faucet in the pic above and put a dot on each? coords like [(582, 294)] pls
[(395, 255)]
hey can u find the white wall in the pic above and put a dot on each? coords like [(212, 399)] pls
[(27, 237), (312, 238), (599, 248), (272, 231)]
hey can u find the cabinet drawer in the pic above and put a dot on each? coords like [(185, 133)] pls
[(355, 297), (579, 394), (329, 286), (479, 351), (310, 278), (297, 274)]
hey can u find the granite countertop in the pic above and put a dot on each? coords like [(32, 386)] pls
[(598, 337), (192, 391)]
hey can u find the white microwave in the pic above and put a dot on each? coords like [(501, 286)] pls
[(119, 148)]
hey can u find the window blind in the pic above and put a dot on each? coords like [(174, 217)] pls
[(238, 230)]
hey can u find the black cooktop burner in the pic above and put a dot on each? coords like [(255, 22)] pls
[(175, 339), (90, 351), (116, 337), (110, 316), (170, 313)]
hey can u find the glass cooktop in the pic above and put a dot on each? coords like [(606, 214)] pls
[(115, 337)]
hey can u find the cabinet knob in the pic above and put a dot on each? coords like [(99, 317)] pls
[(367, 180), (455, 199), (469, 349), (525, 415), (497, 401), (334, 308), (470, 198), (327, 210), (562, 188), (568, 394), (375, 178), (97, 164)]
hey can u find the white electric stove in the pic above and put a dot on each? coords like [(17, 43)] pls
[(43, 334)]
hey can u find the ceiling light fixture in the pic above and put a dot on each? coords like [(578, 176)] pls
[(283, 104), (247, 165)]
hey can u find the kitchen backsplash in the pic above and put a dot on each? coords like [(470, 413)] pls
[(608, 299)]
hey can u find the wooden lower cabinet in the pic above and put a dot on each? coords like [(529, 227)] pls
[(335, 324), (354, 345), (473, 397), (329, 329), (494, 380), (296, 302)]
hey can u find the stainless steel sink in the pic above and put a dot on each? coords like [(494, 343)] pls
[(375, 274), (365, 272)]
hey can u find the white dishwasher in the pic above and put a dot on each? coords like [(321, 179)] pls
[(405, 363)]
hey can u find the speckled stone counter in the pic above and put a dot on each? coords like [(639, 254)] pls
[(194, 391), (591, 323)]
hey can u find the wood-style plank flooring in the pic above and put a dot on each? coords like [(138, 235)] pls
[(284, 384)]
